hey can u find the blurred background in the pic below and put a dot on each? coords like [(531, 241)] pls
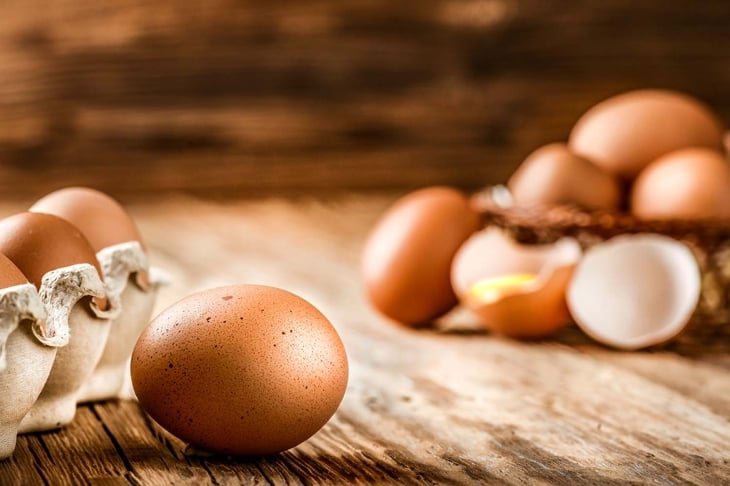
[(244, 98)]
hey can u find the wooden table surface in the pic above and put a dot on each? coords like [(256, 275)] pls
[(421, 406)]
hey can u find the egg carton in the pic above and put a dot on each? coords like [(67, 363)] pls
[(708, 240)]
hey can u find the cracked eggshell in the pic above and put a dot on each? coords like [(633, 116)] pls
[(24, 361), (121, 252), (406, 259), (240, 370), (59, 261), (635, 291), (516, 290)]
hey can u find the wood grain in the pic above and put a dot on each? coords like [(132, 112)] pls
[(422, 407), (236, 98)]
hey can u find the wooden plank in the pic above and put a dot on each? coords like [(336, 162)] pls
[(422, 407), (138, 97)]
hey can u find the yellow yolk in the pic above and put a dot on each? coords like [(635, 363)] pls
[(491, 288)]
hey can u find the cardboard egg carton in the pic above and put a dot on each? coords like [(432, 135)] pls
[(54, 353)]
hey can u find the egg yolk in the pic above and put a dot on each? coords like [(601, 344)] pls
[(492, 288)]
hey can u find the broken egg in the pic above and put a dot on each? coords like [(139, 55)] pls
[(119, 248), (406, 260), (691, 184), (553, 175), (517, 290), (635, 291), (243, 370), (623, 134), (59, 261), (25, 361)]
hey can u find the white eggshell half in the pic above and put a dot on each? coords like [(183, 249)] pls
[(635, 291)]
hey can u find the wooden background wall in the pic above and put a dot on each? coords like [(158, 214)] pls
[(242, 98)]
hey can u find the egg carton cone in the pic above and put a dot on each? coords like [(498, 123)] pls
[(709, 241), (131, 290), (79, 329), (25, 361)]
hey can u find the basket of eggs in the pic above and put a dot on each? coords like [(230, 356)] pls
[(624, 230)]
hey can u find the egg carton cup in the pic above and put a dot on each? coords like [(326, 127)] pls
[(131, 292), (709, 242), (78, 328), (25, 361)]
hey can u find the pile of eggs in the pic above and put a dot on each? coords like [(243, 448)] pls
[(235, 370), (656, 154)]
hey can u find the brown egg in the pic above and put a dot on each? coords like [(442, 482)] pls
[(240, 370), (10, 274), (406, 261), (553, 175), (691, 184), (100, 218), (623, 134), (37, 243)]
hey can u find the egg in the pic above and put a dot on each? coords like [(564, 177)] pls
[(60, 262), (10, 274), (635, 291), (119, 247), (242, 370), (99, 217), (406, 260), (691, 184), (623, 134), (553, 175), (516, 290), (38, 243)]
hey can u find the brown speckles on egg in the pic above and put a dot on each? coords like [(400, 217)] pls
[(252, 384)]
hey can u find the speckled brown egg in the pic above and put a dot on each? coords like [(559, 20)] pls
[(623, 134), (38, 243), (406, 260), (99, 217), (240, 370)]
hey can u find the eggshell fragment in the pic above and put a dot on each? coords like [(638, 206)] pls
[(240, 370), (516, 290), (406, 260), (691, 184), (623, 134), (553, 175), (635, 291)]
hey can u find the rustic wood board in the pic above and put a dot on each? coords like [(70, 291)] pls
[(421, 406), (325, 95)]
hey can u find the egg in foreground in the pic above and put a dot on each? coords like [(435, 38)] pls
[(242, 370)]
